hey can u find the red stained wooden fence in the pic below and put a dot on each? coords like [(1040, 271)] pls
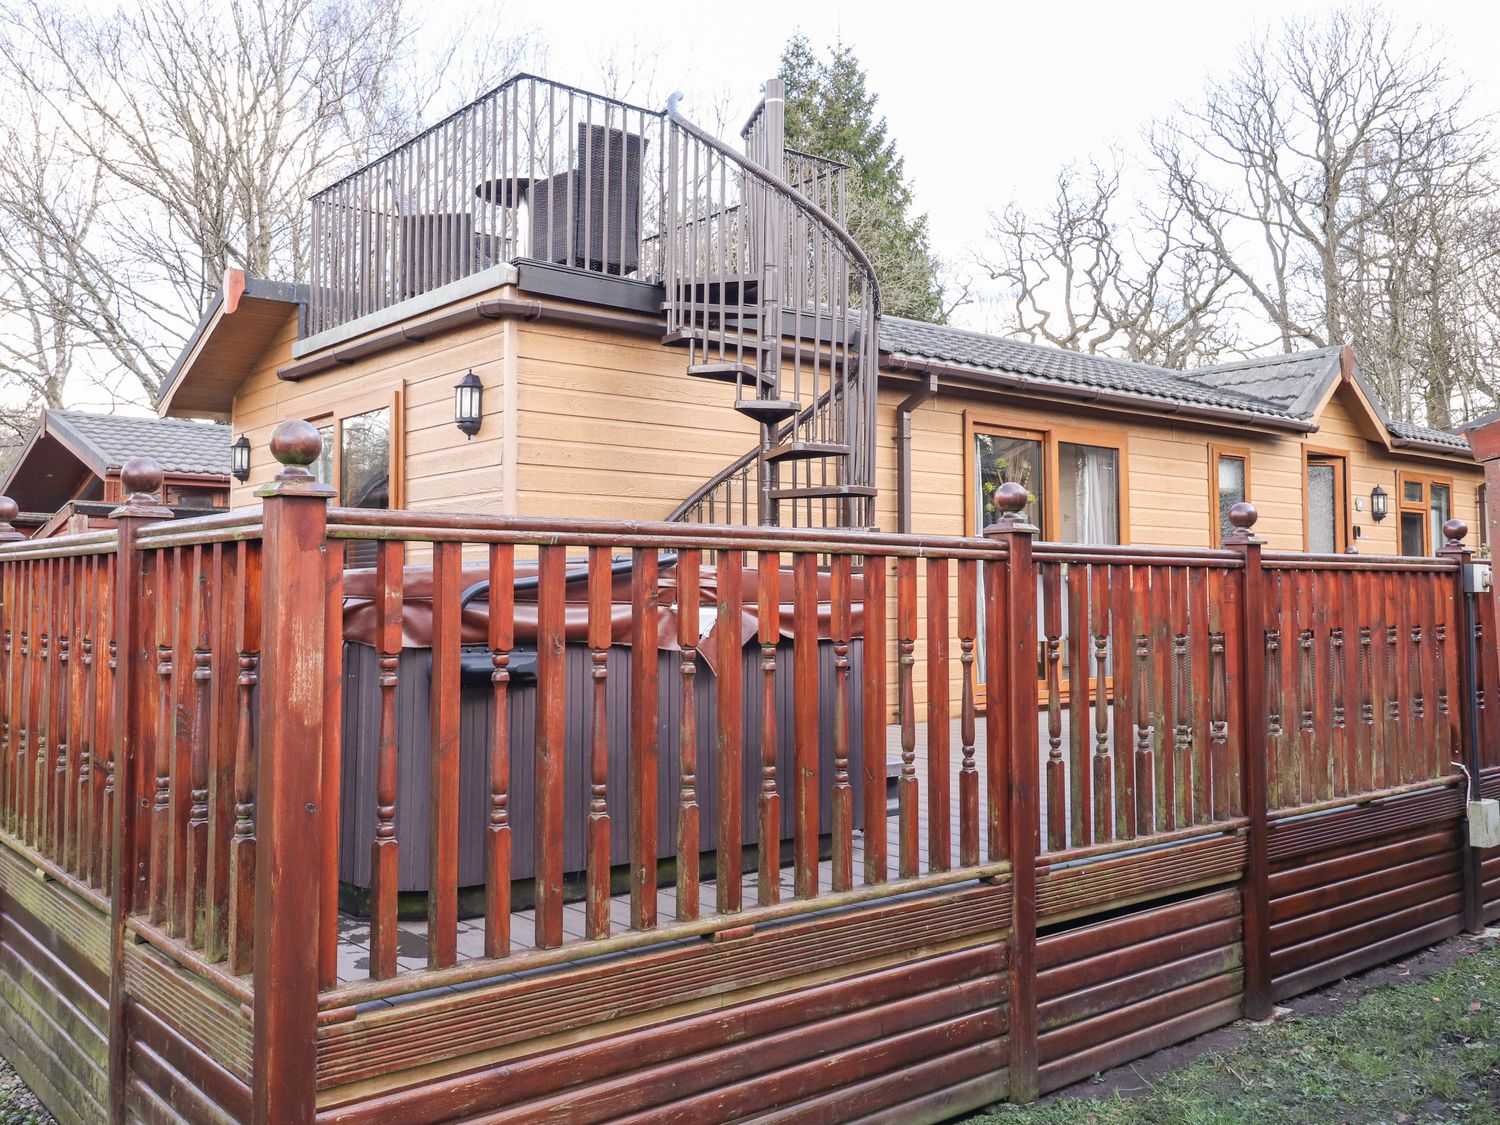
[(742, 706)]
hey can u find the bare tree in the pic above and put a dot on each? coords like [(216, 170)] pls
[(1077, 277), (165, 143), (1330, 174)]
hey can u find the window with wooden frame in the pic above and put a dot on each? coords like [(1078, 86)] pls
[(1424, 504), (1325, 501), (362, 452), (1074, 475), (1483, 530), (1228, 485)]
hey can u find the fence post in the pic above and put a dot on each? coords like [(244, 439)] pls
[(289, 781), (141, 476), (1023, 826), (1255, 893), (1457, 550)]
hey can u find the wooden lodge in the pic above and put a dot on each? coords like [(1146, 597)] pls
[(634, 680), (66, 477)]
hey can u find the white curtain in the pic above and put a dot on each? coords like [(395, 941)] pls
[(1091, 507)]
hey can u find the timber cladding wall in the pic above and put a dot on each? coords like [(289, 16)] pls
[(1166, 491), (611, 425), (436, 466), (897, 1007)]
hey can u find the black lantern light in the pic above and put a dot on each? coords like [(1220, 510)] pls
[(239, 459), (468, 404), (1378, 507)]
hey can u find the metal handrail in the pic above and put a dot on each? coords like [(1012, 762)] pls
[(771, 180)]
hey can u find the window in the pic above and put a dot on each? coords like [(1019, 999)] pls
[(1483, 529), (1004, 458), (1073, 478), (1228, 483), (1088, 508), (1326, 503), (365, 460), (1426, 504)]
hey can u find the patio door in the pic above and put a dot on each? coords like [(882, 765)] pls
[(1326, 530)]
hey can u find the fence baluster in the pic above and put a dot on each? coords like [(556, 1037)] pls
[(385, 847), (195, 905), (443, 764), (597, 836), (730, 733), (840, 611), (805, 723), (939, 763), (644, 747), (242, 846), (689, 578), (768, 612), (968, 776), (501, 639), (873, 750), (1103, 779), (1080, 776), (551, 733), (906, 785)]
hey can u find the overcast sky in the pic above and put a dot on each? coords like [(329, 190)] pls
[(984, 100)]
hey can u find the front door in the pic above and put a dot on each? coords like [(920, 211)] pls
[(1325, 504)]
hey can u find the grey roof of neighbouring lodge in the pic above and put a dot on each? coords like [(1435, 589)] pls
[(67, 448), (107, 441), (1282, 391)]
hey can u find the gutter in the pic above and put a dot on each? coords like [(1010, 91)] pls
[(903, 449), (991, 379), (498, 308)]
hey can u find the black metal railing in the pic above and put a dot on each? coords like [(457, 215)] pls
[(534, 169)]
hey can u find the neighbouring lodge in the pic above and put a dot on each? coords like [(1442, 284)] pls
[(623, 676), (66, 477)]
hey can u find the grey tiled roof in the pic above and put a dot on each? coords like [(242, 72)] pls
[(1410, 431), (1058, 365), (1296, 383), (179, 446), (1288, 387)]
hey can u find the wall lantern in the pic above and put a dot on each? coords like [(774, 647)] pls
[(468, 401), (1378, 507), (239, 459)]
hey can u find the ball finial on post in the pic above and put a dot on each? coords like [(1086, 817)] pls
[(1010, 500), (9, 510), (1242, 518), (1454, 531), (296, 444), (141, 477)]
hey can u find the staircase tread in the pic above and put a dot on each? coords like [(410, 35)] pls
[(821, 491), (727, 339), (768, 409), (727, 371), (806, 450)]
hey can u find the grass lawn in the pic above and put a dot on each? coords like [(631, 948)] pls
[(1423, 1052)]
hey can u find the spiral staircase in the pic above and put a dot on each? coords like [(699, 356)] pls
[(768, 294)]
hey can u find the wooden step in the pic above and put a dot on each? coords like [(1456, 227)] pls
[(726, 371), (819, 492), (805, 451), (767, 411)]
